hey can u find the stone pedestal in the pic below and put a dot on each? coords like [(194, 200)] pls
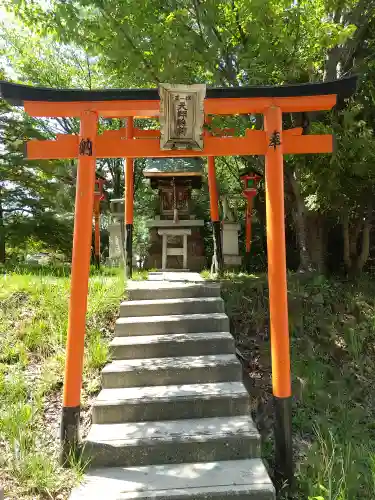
[(115, 256), (115, 252), (171, 246), (176, 245), (232, 258)]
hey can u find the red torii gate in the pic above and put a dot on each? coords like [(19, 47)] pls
[(272, 142)]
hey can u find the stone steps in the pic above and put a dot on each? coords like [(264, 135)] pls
[(170, 402), (176, 323), (230, 480), (179, 370), (173, 418), (178, 344), (162, 290), (200, 305), (172, 441)]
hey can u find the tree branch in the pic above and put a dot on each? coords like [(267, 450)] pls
[(134, 47), (89, 72), (21, 209), (243, 37), (197, 17), (231, 170)]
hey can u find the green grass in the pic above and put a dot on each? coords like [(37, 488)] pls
[(33, 325), (332, 327)]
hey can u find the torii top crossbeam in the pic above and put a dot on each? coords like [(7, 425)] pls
[(117, 103), (45, 102)]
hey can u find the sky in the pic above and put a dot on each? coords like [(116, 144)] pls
[(5, 18)]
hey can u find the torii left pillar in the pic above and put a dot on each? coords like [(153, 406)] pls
[(84, 205)]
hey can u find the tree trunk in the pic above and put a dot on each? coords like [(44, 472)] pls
[(365, 246), (315, 229), (2, 235), (355, 258), (364, 252), (298, 213), (346, 238), (353, 244)]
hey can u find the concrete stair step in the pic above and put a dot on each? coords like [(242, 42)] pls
[(172, 441), (179, 344), (159, 307), (170, 402), (166, 371), (230, 480), (179, 323), (150, 290)]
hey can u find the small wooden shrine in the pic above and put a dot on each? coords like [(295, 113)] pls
[(175, 234)]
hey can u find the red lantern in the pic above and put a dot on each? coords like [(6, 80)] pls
[(99, 183), (250, 183)]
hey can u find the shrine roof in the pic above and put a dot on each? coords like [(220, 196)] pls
[(17, 94), (173, 166)]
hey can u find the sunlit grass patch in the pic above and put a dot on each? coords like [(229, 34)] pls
[(33, 326), (332, 329)]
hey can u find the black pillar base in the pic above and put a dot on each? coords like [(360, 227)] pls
[(69, 434), (284, 469), (218, 261), (247, 261), (97, 261), (129, 250)]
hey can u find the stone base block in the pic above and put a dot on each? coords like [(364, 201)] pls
[(194, 263), (230, 232), (232, 261)]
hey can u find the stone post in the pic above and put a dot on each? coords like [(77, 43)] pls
[(232, 258)]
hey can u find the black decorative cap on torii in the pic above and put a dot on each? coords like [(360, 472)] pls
[(16, 94)]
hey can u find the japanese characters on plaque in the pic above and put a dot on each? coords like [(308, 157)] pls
[(181, 116)]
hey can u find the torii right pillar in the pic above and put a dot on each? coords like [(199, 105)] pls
[(277, 282)]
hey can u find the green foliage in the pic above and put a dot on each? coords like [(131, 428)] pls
[(33, 323), (36, 198), (90, 43), (344, 181), (28, 190), (332, 346), (214, 41)]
